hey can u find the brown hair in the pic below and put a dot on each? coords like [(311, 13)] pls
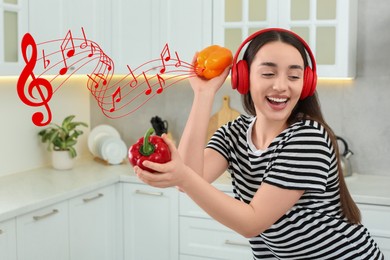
[(308, 108)]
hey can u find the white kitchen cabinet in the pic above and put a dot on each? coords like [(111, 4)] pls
[(129, 32), (141, 29), (44, 234), (50, 23), (329, 27), (8, 240), (202, 237), (13, 24), (135, 33), (150, 219), (191, 257), (92, 225), (188, 26), (376, 219)]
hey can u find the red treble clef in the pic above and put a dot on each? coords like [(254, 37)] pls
[(36, 84)]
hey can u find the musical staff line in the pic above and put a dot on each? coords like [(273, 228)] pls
[(116, 99)]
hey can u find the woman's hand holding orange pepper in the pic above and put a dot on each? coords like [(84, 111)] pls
[(212, 61)]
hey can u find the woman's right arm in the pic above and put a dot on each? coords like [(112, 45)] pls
[(192, 142)]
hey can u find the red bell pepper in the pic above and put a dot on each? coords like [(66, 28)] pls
[(151, 148), (212, 61)]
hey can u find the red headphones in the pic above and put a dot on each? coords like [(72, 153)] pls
[(240, 70)]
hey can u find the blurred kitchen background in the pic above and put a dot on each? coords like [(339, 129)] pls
[(357, 110)]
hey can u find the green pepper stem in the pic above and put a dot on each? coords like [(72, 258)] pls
[(147, 148)]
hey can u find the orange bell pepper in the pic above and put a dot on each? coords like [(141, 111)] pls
[(212, 61)]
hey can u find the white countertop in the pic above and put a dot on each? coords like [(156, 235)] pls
[(23, 192), (371, 189)]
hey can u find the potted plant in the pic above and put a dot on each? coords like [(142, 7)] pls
[(61, 140)]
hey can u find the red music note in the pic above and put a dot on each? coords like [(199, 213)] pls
[(35, 84), (46, 62), (160, 80), (68, 38), (178, 63), (134, 80), (116, 97), (107, 61), (64, 69), (101, 76), (164, 52), (93, 49), (96, 83), (149, 90), (85, 43)]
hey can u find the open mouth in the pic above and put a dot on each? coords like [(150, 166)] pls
[(277, 101)]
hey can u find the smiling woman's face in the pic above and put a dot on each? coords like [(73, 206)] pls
[(276, 80)]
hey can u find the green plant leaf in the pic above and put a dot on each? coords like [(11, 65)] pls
[(72, 152), (67, 120), (70, 143), (64, 136), (53, 139)]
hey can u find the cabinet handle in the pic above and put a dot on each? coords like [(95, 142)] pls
[(235, 243), (93, 198), (150, 193), (54, 211)]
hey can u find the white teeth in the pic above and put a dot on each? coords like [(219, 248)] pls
[(278, 100)]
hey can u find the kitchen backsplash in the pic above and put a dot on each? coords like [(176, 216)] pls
[(357, 110), (21, 148)]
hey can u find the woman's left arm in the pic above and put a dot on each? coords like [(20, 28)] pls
[(268, 205)]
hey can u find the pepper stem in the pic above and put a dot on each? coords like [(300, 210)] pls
[(147, 148)]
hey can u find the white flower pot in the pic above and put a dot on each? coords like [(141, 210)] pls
[(61, 160)]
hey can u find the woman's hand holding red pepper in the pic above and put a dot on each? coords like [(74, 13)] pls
[(171, 174), (152, 148)]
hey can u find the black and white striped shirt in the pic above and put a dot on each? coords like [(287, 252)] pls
[(302, 158)]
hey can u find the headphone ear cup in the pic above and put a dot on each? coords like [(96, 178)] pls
[(309, 83), (242, 77), (234, 76)]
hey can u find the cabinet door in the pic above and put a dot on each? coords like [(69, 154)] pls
[(189, 26), (92, 225), (207, 237), (202, 236), (376, 219), (43, 234), (49, 24), (135, 32), (46, 20), (150, 222), (8, 240), (13, 24), (329, 27), (95, 19)]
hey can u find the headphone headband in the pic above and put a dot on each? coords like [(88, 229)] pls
[(239, 71)]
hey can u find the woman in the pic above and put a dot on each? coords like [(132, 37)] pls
[(291, 200)]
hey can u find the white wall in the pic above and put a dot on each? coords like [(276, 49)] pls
[(21, 148)]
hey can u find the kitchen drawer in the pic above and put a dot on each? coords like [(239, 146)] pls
[(191, 209), (43, 234), (8, 240), (207, 237), (376, 219)]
